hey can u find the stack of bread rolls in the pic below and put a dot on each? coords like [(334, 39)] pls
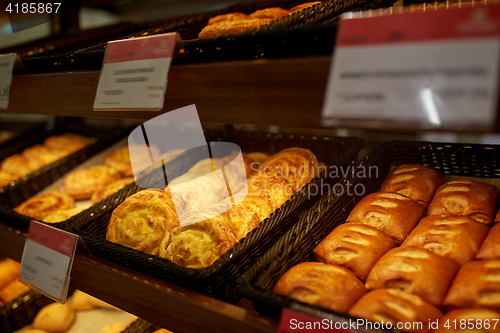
[(405, 267), (150, 220)]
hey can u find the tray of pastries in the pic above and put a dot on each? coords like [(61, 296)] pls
[(419, 245), (141, 227)]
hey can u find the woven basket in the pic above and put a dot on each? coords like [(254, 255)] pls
[(21, 311)]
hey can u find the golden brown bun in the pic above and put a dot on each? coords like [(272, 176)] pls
[(455, 237), (80, 301), (225, 28), (479, 316), (243, 219), (272, 13), (20, 165), (119, 159), (9, 271), (66, 142), (356, 247), (298, 166), (6, 178), (414, 181), (44, 153), (477, 285), (12, 290), (54, 317), (279, 190), (258, 157), (142, 220), (259, 204), (466, 198), (107, 190), (395, 306), (116, 327), (491, 245), (199, 244), (61, 215), (304, 5), (227, 17), (393, 214), (329, 286), (38, 207), (83, 183), (416, 271)]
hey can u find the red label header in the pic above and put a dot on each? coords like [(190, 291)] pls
[(51, 238), (154, 47)]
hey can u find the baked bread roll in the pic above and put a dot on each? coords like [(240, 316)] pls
[(109, 189), (44, 153), (83, 183), (208, 233), (466, 197), (416, 271), (225, 28), (491, 245), (258, 157), (455, 237), (272, 13), (236, 16), (414, 181), (329, 286), (38, 207), (54, 317), (20, 165), (61, 215), (464, 316), (119, 159), (12, 290), (392, 213), (116, 327), (279, 190), (304, 5), (396, 306), (259, 204), (298, 166), (142, 220), (477, 285), (6, 178), (9, 271), (356, 247), (80, 301), (66, 142)]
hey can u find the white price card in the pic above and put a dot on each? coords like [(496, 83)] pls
[(434, 69), (47, 260), (6, 66), (134, 73)]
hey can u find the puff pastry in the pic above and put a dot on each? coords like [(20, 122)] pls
[(142, 220), (396, 306), (392, 213), (467, 198), (225, 28), (236, 16), (491, 246), (478, 316), (66, 142), (54, 317), (243, 219), (38, 207), (272, 13), (304, 5), (279, 190), (298, 166), (455, 237), (20, 165), (416, 271), (83, 183), (107, 190), (259, 204), (12, 290), (119, 159), (61, 215), (6, 178), (9, 271), (477, 285), (414, 181), (208, 233), (356, 247)]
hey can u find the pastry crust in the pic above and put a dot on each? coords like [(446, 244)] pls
[(236, 16), (455, 237), (38, 207), (142, 220), (61, 215), (54, 317), (83, 183), (6, 178), (119, 159), (466, 197), (9, 271), (329, 286), (278, 190), (477, 285), (12, 290), (396, 306), (225, 28), (243, 219), (20, 165), (45, 154), (491, 245), (414, 181), (272, 13), (392, 213), (107, 190), (356, 247), (259, 204), (416, 271), (67, 142), (304, 5), (478, 316)]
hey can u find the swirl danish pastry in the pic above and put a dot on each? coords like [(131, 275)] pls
[(83, 183), (260, 204), (39, 206), (279, 190)]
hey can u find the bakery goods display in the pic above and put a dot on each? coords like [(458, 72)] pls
[(119, 159), (491, 245), (228, 17), (329, 286), (10, 287), (106, 190), (39, 206), (455, 237), (67, 142), (83, 183), (20, 165), (484, 321), (63, 214), (466, 197), (54, 317), (272, 13)]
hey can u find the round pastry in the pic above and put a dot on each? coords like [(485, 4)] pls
[(38, 207), (61, 215), (83, 183), (304, 5), (272, 13), (116, 327), (277, 189), (45, 154), (225, 28), (119, 159), (66, 142), (80, 301), (142, 220), (54, 317), (227, 17), (110, 189), (20, 165), (7, 177)]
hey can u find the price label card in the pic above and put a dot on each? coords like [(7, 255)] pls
[(47, 260), (6, 66), (434, 69), (134, 73)]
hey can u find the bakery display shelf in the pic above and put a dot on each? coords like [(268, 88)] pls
[(162, 303)]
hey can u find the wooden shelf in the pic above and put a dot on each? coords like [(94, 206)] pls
[(162, 303)]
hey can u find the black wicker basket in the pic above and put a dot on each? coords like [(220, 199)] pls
[(219, 279), (332, 210), (141, 326)]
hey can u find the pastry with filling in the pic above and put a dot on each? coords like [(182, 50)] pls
[(54, 317), (259, 204), (329, 286), (278, 190), (491, 245), (236, 16), (107, 190), (479, 317), (61, 215), (225, 28), (39, 206), (272, 13), (20, 165), (120, 158), (83, 183), (414, 270), (243, 219)]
